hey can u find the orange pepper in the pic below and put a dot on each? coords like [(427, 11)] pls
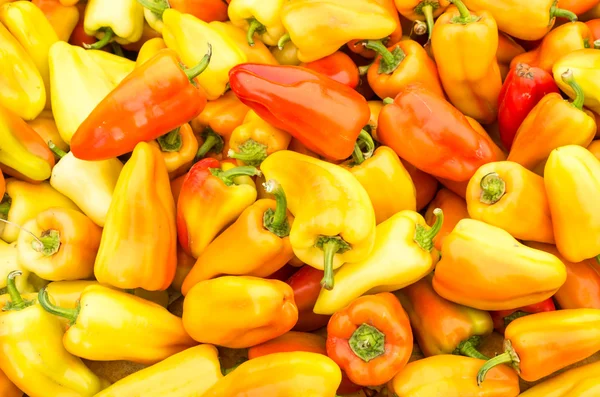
[(45, 126), (594, 148), (455, 209), (425, 184), (577, 6), (594, 26), (508, 49), (2, 188), (592, 13), (176, 185), (206, 10), (185, 263), (337, 66), (298, 147), (422, 10), (222, 115), (178, 149), (63, 18), (69, 2), (357, 47), (7, 388)]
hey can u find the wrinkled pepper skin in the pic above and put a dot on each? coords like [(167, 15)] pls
[(298, 374), (504, 317), (186, 374), (337, 66), (216, 311), (507, 195), (306, 284), (572, 383), (137, 250), (334, 113), (453, 376), (572, 180), (62, 18), (584, 64), (222, 115), (454, 208), (419, 121), (504, 274)]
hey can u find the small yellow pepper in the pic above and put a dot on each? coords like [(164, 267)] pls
[(45, 126), (261, 17), (584, 64), (222, 115), (577, 382), (122, 20), (258, 53), (149, 49), (178, 148), (8, 263)]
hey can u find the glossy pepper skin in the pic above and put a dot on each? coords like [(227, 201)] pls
[(306, 284), (206, 10), (232, 324), (370, 339), (337, 66), (213, 195), (454, 208), (149, 49), (63, 18), (453, 376), (258, 17), (7, 388), (137, 250), (504, 317), (122, 20), (186, 374), (571, 180), (460, 36), (505, 274), (584, 65), (542, 343), (222, 115), (258, 53), (524, 87), (508, 49), (9, 262), (334, 113), (419, 121), (334, 219), (65, 245), (178, 149), (573, 383), (154, 99), (422, 10), (403, 253), (31, 346), (507, 195), (114, 325)]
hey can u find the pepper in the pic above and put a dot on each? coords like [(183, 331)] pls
[(333, 227), (189, 373), (77, 84), (422, 10), (291, 374), (255, 139), (459, 37), (116, 67), (78, 36), (7, 388), (124, 117), (121, 20), (403, 253), (189, 37), (509, 196), (504, 317), (334, 114), (63, 19), (337, 66), (571, 179), (321, 37), (553, 123), (258, 53), (136, 330), (31, 346), (45, 127), (213, 195), (583, 64), (137, 250), (542, 343), (222, 115), (572, 383), (454, 209), (454, 149), (441, 326), (216, 311), (577, 6), (425, 184), (592, 13), (523, 88), (453, 376), (262, 18), (23, 154), (286, 55), (594, 26), (400, 65), (8, 263), (22, 202), (370, 339), (178, 149), (149, 50), (306, 284), (90, 184), (525, 21), (206, 10), (258, 242), (508, 49), (503, 273)]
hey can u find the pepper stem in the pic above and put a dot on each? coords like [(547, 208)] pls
[(212, 142), (362, 70), (5, 206), (423, 237), (251, 152), (468, 348), (56, 150), (367, 342), (69, 314), (388, 101), (330, 246), (117, 50), (390, 60), (419, 28), (364, 139), (568, 78), (596, 44), (283, 41), (556, 12), (108, 36), (16, 300), (157, 7), (492, 188), (276, 221), (228, 176), (171, 141), (253, 27), (465, 15), (508, 357), (427, 11), (195, 71), (48, 243), (514, 316)]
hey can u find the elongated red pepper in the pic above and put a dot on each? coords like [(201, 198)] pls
[(154, 99), (504, 317), (306, 284), (523, 88), (324, 115), (337, 66)]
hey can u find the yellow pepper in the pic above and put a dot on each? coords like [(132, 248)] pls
[(63, 18), (122, 20), (149, 49), (286, 55), (572, 180), (334, 219), (77, 84), (31, 28), (188, 36), (26, 201), (21, 84), (115, 67), (403, 254), (113, 325), (178, 148), (258, 53), (45, 126), (577, 382), (187, 374), (222, 115), (8, 263), (585, 65), (262, 17)]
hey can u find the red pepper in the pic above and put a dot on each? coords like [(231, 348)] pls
[(79, 37), (154, 99), (284, 273), (206, 10), (324, 115), (337, 66), (594, 25), (306, 284), (523, 88), (370, 339), (502, 318), (428, 132)]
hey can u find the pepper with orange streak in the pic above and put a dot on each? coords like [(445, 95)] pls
[(454, 208), (222, 115), (178, 149), (63, 18)]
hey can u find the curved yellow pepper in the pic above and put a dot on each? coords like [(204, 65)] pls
[(577, 382), (149, 49), (262, 17), (585, 65), (8, 263), (121, 19)]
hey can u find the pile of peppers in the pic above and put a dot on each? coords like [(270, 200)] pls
[(299, 198)]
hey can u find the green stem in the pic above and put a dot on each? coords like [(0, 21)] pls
[(364, 140), (387, 57), (69, 314), (465, 14), (514, 316), (251, 152), (48, 243), (596, 44), (357, 155), (568, 78), (427, 11), (556, 12), (56, 150), (362, 70), (157, 7), (5, 206), (492, 188), (16, 300), (276, 221), (212, 142), (388, 101), (508, 357), (283, 40), (228, 176), (108, 36), (468, 348), (330, 245), (117, 50), (253, 27), (195, 71), (367, 342), (171, 141), (424, 237)]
